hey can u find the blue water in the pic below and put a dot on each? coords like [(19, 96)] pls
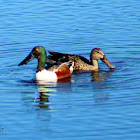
[(87, 106)]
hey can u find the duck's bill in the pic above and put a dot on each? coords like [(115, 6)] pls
[(107, 62), (27, 59)]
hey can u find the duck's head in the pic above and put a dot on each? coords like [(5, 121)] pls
[(98, 54), (37, 52)]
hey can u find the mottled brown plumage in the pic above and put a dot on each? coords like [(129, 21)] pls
[(80, 63)]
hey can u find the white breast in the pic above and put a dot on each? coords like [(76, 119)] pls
[(46, 75)]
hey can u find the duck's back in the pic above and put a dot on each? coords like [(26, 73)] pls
[(79, 61)]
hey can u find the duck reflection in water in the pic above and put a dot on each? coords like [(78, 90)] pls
[(100, 85), (47, 89), (98, 76)]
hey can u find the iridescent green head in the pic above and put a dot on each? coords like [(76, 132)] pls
[(39, 53)]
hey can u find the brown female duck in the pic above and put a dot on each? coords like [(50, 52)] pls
[(81, 63)]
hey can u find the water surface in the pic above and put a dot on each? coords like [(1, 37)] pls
[(88, 105)]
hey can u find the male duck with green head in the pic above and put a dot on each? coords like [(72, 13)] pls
[(53, 73)]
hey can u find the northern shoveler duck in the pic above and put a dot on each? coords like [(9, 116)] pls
[(81, 63), (52, 73)]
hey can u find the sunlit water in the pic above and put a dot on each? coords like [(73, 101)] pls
[(88, 105)]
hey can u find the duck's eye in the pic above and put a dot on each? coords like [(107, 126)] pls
[(37, 49)]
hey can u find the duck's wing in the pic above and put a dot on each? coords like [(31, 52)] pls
[(63, 57), (63, 70), (57, 57)]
